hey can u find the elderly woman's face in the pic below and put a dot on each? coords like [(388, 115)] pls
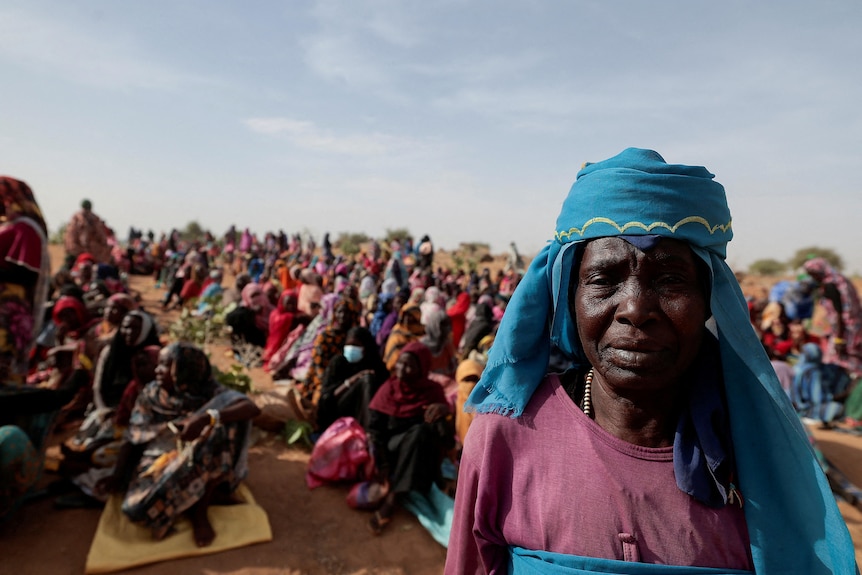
[(640, 315)]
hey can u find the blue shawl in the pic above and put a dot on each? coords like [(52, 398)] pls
[(793, 521)]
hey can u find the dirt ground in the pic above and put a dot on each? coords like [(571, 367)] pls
[(314, 532)]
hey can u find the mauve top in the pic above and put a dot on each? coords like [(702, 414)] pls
[(554, 480)]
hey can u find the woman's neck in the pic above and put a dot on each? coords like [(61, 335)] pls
[(648, 420)]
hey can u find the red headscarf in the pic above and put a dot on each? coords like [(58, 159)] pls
[(400, 399), (280, 324), (73, 303), (83, 259), (458, 314)]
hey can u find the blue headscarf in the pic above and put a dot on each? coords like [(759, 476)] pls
[(793, 522)]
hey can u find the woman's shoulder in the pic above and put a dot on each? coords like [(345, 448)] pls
[(548, 405)]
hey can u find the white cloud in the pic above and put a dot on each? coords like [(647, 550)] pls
[(84, 56), (338, 57), (308, 136)]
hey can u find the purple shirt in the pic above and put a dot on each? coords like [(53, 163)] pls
[(554, 480)]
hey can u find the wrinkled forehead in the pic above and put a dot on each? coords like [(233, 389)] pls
[(662, 250)]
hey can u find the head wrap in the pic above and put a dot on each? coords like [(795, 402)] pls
[(249, 292), (191, 369), (389, 286), (114, 369), (18, 202), (380, 312), (280, 323), (409, 318), (401, 399), (83, 259), (68, 302), (437, 330), (124, 301), (148, 332), (637, 193), (351, 308), (821, 268), (417, 295)]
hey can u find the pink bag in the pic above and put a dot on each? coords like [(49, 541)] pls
[(340, 455)]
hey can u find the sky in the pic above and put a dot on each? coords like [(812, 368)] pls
[(464, 120)]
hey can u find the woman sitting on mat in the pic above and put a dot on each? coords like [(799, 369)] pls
[(186, 445)]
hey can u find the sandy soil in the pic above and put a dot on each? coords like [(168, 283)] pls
[(314, 532)]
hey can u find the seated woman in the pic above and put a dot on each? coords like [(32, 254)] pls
[(329, 343), (458, 315), (116, 308), (114, 372), (249, 322), (212, 293), (187, 443), (382, 308), (282, 320), (791, 348), (411, 429), (819, 389), (773, 326), (438, 339), (70, 363), (481, 325), (91, 455), (351, 379), (293, 359), (193, 286), (408, 329), (388, 321)]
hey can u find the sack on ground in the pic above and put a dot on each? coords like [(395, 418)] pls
[(340, 455)]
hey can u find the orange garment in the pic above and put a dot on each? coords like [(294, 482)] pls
[(467, 375), (288, 282)]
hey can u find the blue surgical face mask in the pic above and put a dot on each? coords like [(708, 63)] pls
[(353, 353)]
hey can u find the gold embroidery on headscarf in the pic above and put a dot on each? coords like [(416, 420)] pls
[(562, 236)]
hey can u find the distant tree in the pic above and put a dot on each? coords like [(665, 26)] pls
[(805, 254), (59, 236), (193, 231), (398, 234), (767, 267), (350, 243), (475, 248)]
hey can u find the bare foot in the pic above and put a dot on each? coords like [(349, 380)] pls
[(203, 530)]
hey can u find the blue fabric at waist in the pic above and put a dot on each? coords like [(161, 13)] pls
[(527, 562)]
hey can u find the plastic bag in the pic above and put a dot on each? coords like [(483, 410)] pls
[(340, 455)]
